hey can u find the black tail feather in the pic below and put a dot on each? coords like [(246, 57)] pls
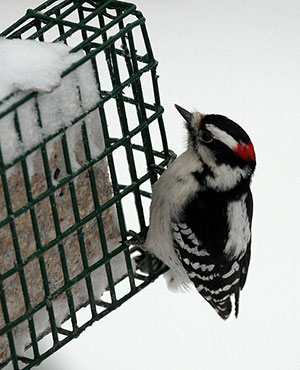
[(237, 302), (223, 308)]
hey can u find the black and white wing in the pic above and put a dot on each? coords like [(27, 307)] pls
[(200, 251)]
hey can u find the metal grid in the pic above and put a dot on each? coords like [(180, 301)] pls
[(116, 31)]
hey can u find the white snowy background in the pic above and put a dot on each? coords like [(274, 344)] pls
[(240, 59)]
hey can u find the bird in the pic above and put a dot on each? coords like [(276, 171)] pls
[(201, 211)]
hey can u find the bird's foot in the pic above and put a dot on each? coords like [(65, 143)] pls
[(172, 155), (160, 169), (136, 239), (144, 261)]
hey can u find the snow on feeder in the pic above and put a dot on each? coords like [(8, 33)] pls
[(80, 124)]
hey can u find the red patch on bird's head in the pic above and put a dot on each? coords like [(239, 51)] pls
[(245, 151)]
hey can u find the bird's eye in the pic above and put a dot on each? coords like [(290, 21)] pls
[(206, 137)]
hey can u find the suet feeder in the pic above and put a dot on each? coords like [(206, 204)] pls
[(71, 190)]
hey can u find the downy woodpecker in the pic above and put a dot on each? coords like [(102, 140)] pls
[(201, 211)]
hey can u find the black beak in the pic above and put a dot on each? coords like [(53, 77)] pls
[(188, 116)]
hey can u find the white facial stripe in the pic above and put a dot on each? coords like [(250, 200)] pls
[(226, 177), (222, 136)]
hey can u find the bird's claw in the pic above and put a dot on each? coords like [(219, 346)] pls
[(172, 155), (160, 169), (136, 239), (143, 260), (143, 263)]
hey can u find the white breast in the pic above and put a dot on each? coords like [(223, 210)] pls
[(175, 187)]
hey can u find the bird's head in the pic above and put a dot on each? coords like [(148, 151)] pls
[(220, 143)]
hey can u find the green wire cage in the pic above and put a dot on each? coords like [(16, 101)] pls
[(66, 205)]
